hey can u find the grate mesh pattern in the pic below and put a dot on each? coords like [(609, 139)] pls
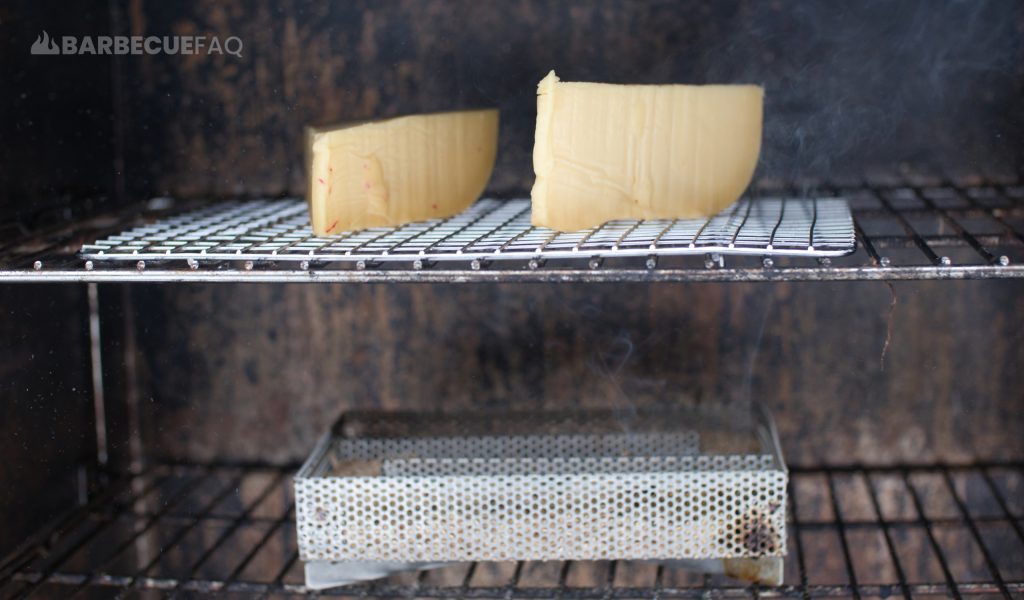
[(933, 228), (489, 229), (187, 531)]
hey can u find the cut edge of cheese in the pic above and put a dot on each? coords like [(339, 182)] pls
[(389, 172), (642, 151), (543, 155)]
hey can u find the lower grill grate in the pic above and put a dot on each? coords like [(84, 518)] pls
[(187, 530)]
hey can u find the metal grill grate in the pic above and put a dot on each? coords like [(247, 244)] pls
[(903, 231), (490, 229), (857, 532)]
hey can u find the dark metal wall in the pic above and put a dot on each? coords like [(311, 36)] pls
[(56, 115), (46, 424), (56, 158), (850, 86), (251, 372)]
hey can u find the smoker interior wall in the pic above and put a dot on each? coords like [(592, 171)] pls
[(258, 372), (56, 151), (850, 87), (46, 428), (56, 113)]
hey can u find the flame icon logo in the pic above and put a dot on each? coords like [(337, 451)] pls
[(44, 45)]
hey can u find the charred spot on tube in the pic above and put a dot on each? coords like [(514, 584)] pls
[(754, 533)]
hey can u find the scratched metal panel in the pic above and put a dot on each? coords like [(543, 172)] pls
[(224, 126), (258, 371), (56, 115), (46, 425)]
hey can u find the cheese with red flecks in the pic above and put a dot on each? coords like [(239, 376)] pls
[(395, 171)]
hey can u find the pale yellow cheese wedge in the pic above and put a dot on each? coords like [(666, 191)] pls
[(605, 152), (395, 171)]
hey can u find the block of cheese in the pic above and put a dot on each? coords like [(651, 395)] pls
[(395, 171), (605, 152)]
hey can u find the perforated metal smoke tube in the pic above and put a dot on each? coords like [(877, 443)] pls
[(634, 495)]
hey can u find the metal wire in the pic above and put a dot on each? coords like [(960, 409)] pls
[(494, 230), (795, 529), (269, 241), (972, 526), (1014, 523), (59, 573), (886, 531), (235, 524), (953, 587), (843, 542)]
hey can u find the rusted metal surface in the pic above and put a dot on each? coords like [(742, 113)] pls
[(46, 426), (56, 117), (259, 371), (226, 126)]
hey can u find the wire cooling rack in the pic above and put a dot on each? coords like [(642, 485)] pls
[(904, 231), (279, 230)]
